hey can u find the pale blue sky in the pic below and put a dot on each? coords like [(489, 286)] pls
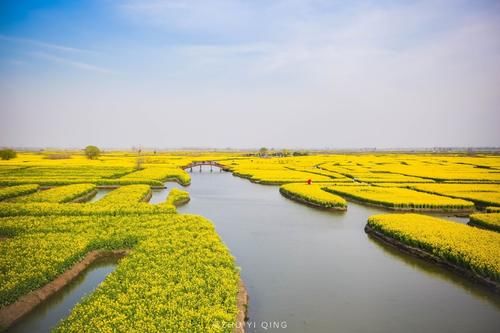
[(219, 73)]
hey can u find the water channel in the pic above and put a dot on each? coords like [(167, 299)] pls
[(46, 315), (318, 271), (312, 270)]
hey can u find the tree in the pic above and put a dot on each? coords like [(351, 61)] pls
[(7, 154), (138, 163), (263, 151), (92, 152), (300, 153)]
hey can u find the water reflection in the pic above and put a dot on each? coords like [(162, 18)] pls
[(439, 272), (318, 270)]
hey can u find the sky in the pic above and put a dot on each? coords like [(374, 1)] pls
[(247, 74)]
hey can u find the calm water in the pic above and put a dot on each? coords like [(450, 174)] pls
[(45, 316), (311, 270), (319, 272), (100, 193)]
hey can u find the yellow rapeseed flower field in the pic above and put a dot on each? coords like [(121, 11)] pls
[(177, 197), (14, 191), (401, 198), (487, 221), (58, 194), (179, 276), (314, 195), (484, 194)]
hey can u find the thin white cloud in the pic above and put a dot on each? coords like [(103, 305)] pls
[(72, 63), (42, 44), (422, 73), (220, 17)]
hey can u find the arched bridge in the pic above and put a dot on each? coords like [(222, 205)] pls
[(192, 165)]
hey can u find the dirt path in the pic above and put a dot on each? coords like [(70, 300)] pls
[(242, 303)]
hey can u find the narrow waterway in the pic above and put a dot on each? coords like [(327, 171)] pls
[(311, 270), (100, 194), (46, 315)]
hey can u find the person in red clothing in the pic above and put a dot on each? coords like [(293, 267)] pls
[(309, 181)]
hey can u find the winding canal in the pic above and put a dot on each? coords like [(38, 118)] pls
[(311, 270)]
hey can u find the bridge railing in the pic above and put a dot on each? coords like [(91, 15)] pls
[(202, 163)]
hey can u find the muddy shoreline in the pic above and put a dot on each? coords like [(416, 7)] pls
[(181, 202), (242, 304), (147, 197), (12, 313), (467, 273)]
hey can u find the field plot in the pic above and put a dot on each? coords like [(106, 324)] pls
[(448, 172), (177, 197), (382, 177), (280, 171), (401, 199), (125, 200), (179, 275), (160, 174), (125, 195), (487, 221), (313, 195), (483, 194), (472, 249), (15, 191), (59, 194), (370, 175), (379, 168), (51, 175), (337, 177), (449, 168), (89, 172), (277, 177)]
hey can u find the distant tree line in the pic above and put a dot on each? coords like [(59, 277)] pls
[(7, 154), (264, 152)]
